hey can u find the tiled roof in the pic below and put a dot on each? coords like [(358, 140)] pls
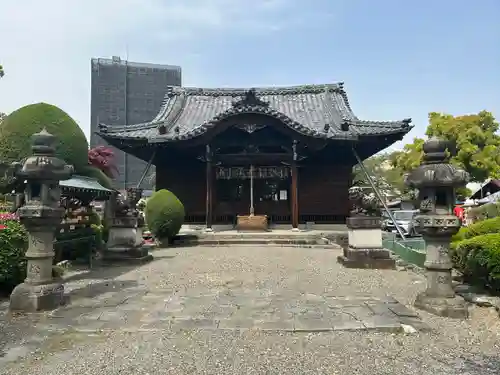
[(320, 111), (82, 183)]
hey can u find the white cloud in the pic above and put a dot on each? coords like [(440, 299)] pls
[(46, 46)]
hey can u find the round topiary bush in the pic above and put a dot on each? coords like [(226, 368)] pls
[(164, 215), (17, 128)]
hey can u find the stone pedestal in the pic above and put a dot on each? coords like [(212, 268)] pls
[(365, 248), (439, 298), (125, 243), (252, 223), (39, 291)]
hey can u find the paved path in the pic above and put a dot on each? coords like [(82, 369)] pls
[(245, 310)]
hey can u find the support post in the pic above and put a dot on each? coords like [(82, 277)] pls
[(209, 182), (294, 195), (377, 193), (252, 208), (146, 170)]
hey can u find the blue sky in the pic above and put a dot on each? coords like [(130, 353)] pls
[(398, 59)]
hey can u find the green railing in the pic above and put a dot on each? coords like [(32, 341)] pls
[(411, 250)]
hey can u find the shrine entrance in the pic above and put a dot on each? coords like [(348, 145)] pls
[(261, 190)]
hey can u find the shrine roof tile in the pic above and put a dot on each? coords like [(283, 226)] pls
[(320, 111)]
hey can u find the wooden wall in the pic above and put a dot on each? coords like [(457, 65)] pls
[(187, 181), (322, 191)]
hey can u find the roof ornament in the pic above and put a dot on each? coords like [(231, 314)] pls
[(406, 122), (103, 128), (250, 100), (344, 126)]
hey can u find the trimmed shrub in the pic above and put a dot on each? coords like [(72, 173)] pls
[(478, 258), (486, 211), (164, 215), (13, 245), (460, 235), (480, 228), (17, 128)]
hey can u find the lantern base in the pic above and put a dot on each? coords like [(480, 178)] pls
[(32, 298), (377, 258), (454, 307), (126, 255)]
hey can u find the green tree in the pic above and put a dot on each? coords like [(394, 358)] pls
[(18, 127), (473, 144), (384, 175), (2, 72)]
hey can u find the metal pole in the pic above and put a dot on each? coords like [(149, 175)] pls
[(251, 191), (125, 177), (377, 193), (146, 170)]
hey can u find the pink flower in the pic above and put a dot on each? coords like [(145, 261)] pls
[(6, 216)]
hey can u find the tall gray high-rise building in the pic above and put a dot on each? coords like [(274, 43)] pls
[(125, 92)]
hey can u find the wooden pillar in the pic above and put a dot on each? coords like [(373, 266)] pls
[(294, 190), (209, 180)]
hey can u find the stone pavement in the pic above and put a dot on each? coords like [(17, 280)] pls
[(212, 292)]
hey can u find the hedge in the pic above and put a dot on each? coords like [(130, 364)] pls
[(478, 258), (13, 245), (478, 229)]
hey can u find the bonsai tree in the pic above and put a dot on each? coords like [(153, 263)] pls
[(164, 215)]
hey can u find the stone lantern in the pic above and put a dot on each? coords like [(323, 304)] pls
[(436, 180), (41, 214), (126, 243)]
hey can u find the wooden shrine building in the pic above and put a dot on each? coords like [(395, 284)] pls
[(285, 152)]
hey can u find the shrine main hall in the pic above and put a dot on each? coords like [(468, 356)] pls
[(283, 152)]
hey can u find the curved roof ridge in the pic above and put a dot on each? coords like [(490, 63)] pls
[(164, 105), (124, 128), (405, 123), (271, 90)]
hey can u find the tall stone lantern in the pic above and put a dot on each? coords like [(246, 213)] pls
[(436, 180), (41, 214)]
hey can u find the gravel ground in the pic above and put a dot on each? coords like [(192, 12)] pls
[(454, 347)]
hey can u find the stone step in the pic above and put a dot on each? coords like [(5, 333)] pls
[(254, 239), (326, 246)]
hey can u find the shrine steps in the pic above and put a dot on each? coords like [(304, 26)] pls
[(272, 238)]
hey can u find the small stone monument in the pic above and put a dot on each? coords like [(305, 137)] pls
[(126, 243), (365, 248), (436, 180), (41, 214)]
